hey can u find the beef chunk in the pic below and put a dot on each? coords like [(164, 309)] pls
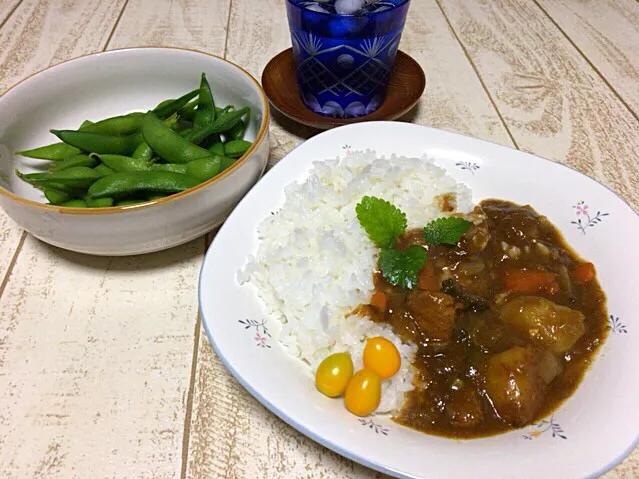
[(433, 312)]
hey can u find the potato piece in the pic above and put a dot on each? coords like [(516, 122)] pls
[(546, 324), (433, 312), (515, 385), (549, 366)]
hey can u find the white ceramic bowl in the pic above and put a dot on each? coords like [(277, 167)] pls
[(587, 435), (114, 83)]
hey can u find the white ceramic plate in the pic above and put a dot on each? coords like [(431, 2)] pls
[(593, 431)]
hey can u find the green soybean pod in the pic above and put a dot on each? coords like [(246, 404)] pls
[(167, 108), (54, 152), (74, 204), (74, 177), (164, 103), (168, 144), (103, 170), (217, 149), (117, 125), (124, 163), (211, 140), (204, 168), (98, 202), (55, 196), (237, 131), (226, 162), (72, 192), (100, 142), (205, 113), (119, 185), (223, 123), (143, 151), (236, 148), (174, 167), (77, 160)]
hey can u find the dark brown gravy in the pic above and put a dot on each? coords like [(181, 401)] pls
[(483, 366)]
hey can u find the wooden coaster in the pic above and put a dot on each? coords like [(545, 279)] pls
[(279, 80)]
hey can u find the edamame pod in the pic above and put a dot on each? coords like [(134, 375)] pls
[(74, 177), (167, 108), (174, 167), (103, 170), (223, 123), (74, 204), (117, 125), (55, 152), (131, 182), (124, 163), (204, 168), (98, 202), (236, 148), (217, 149), (205, 113), (168, 144), (77, 160), (56, 197), (99, 142), (143, 151)]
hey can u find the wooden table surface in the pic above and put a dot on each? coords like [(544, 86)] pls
[(105, 371)]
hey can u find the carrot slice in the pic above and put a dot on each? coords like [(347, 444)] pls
[(426, 280), (584, 272), (379, 301), (530, 281)]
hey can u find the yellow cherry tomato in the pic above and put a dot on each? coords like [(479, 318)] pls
[(333, 374), (363, 393), (382, 356)]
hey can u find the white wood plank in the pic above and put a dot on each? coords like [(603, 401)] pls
[(45, 32), (193, 24), (553, 102), (6, 8), (10, 237), (96, 353), (606, 32)]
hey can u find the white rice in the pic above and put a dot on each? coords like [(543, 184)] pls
[(315, 263)]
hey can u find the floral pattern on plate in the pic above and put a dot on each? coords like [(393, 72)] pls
[(262, 333), (378, 428), (585, 218), (616, 326), (543, 427)]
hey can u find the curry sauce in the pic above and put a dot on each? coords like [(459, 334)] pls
[(506, 323)]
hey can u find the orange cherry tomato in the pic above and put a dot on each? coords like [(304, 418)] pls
[(333, 374), (382, 356), (363, 393)]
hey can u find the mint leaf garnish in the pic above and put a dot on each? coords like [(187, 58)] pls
[(382, 221), (446, 230), (401, 268)]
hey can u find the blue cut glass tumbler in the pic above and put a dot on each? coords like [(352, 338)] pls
[(344, 62)]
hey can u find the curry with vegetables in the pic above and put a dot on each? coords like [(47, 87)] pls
[(506, 320)]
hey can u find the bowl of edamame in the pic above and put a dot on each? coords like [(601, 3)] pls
[(131, 151)]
